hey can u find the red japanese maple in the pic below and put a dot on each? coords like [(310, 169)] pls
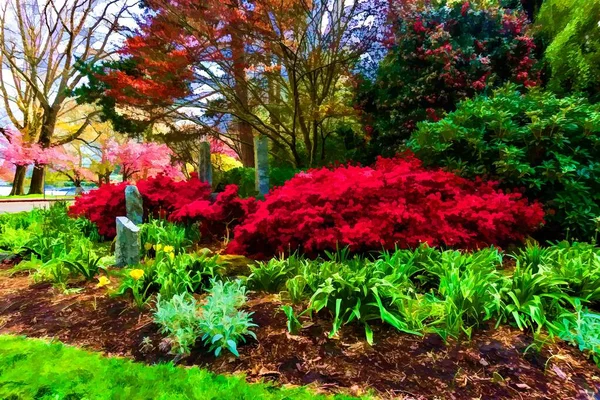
[(396, 202)]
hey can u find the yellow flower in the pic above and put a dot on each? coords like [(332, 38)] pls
[(136, 274), (102, 281), (148, 246), (171, 255), (159, 247), (169, 249)]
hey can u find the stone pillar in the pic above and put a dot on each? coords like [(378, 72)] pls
[(127, 249), (261, 160), (134, 204), (204, 163)]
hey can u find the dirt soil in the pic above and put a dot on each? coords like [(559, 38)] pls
[(495, 364)]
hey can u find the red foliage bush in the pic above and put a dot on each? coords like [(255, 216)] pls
[(160, 195), (395, 202), (217, 217), (101, 206)]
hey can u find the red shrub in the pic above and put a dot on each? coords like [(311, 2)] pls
[(217, 217), (160, 195), (102, 206), (395, 202), (163, 193)]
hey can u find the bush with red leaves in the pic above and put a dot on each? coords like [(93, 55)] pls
[(161, 196), (395, 202), (217, 217)]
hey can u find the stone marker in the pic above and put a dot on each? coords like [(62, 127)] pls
[(261, 161), (134, 204), (127, 249), (204, 163)]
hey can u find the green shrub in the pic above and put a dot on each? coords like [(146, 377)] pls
[(570, 30), (547, 145), (442, 55), (244, 178)]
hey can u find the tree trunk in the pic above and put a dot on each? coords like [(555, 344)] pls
[(18, 186), (37, 180), (246, 137), (46, 133)]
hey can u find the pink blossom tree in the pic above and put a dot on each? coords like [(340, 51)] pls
[(71, 166), (142, 160), (15, 152)]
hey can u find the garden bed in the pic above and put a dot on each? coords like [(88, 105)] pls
[(496, 363)]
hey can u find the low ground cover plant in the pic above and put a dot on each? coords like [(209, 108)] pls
[(396, 202), (219, 322), (449, 292)]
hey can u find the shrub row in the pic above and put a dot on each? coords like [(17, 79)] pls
[(396, 202)]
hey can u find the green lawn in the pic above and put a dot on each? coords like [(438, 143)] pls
[(36, 369)]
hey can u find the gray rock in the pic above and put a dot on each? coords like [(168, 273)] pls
[(204, 164), (134, 204), (127, 248)]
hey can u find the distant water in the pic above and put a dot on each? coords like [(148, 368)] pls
[(5, 191)]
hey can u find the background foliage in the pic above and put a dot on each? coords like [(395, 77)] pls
[(546, 145)]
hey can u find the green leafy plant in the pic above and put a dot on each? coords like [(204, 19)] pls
[(293, 324), (177, 274), (222, 323), (219, 321), (270, 276), (87, 264), (296, 287), (582, 329), (161, 232), (578, 264), (469, 288), (531, 296), (138, 282), (178, 319)]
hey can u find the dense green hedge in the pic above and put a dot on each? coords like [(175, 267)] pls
[(34, 369), (244, 178), (547, 145)]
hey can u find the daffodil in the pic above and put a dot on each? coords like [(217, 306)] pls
[(169, 249), (103, 281), (136, 274), (148, 246), (158, 247)]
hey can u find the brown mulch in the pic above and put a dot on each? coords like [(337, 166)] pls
[(496, 363)]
